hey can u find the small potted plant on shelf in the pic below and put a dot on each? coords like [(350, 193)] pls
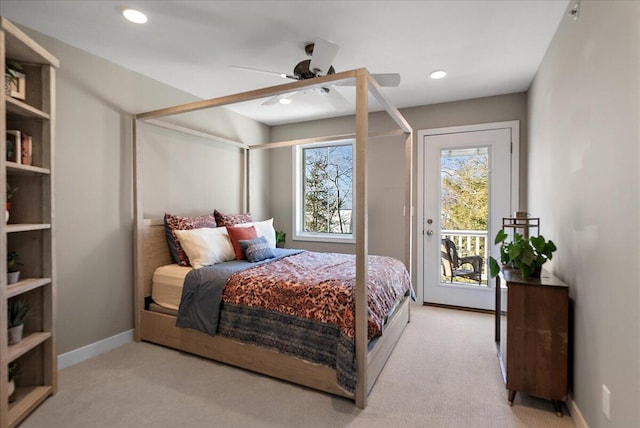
[(17, 311), (525, 254), (11, 191), (12, 369), (14, 80), (280, 238), (13, 271)]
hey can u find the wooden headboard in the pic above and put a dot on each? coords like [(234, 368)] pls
[(155, 251)]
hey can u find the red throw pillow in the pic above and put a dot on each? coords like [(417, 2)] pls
[(239, 234)]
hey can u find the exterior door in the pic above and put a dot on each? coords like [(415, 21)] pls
[(469, 183)]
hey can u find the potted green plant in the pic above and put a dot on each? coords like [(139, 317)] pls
[(12, 70), (12, 76), (12, 369), (525, 254), (11, 191), (280, 238), (17, 311), (13, 271)]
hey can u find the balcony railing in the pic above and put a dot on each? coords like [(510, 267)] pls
[(470, 243)]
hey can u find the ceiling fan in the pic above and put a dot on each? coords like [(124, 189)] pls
[(322, 53)]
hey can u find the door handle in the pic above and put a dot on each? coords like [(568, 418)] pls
[(429, 232)]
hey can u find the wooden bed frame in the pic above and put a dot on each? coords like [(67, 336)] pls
[(151, 250), (161, 328)]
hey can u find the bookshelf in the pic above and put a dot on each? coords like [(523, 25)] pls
[(29, 230)]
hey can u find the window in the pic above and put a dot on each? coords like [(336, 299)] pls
[(324, 191)]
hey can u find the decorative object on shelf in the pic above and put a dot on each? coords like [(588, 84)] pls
[(10, 192), (280, 238), (525, 254), (14, 80), (12, 369), (14, 146), (26, 148), (521, 221), (13, 262), (17, 311)]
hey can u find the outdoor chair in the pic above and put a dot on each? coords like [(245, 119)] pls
[(453, 265)]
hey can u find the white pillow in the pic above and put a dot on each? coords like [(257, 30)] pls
[(263, 228), (206, 246)]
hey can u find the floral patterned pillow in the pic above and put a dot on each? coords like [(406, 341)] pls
[(231, 219), (175, 222)]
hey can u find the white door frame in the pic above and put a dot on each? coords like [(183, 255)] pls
[(514, 125)]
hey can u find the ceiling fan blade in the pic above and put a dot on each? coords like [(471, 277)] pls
[(336, 99), (384, 79), (324, 52), (257, 70)]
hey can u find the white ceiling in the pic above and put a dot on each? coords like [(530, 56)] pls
[(487, 47)]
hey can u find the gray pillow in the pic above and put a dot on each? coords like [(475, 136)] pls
[(257, 249)]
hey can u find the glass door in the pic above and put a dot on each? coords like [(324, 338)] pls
[(467, 191)]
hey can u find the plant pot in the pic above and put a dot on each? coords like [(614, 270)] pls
[(11, 388), (13, 277), (15, 334), (7, 84)]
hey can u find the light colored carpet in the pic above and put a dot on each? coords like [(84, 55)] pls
[(443, 373)]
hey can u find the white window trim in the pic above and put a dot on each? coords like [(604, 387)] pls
[(298, 210)]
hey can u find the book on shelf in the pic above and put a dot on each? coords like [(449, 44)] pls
[(14, 146), (27, 145)]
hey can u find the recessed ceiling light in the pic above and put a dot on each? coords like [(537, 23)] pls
[(135, 16), (284, 101), (438, 74)]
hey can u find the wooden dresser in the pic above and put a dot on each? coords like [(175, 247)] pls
[(532, 335)]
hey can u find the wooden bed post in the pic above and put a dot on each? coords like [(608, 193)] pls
[(362, 131), (138, 296), (408, 203), (246, 164)]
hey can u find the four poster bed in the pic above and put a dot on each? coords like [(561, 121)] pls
[(374, 302)]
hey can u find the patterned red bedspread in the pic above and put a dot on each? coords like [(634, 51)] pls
[(319, 287)]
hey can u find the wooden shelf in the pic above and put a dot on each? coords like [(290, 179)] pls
[(27, 399), (23, 109), (19, 227), (33, 206), (25, 285), (16, 168), (28, 343), (22, 48)]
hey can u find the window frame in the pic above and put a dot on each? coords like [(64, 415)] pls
[(298, 204)]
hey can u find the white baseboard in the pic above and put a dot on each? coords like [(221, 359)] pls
[(576, 414), (94, 349)]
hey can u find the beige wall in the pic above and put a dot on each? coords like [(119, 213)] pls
[(584, 184), (386, 165), (93, 190)]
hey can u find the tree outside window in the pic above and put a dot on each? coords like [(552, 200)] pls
[(328, 189)]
